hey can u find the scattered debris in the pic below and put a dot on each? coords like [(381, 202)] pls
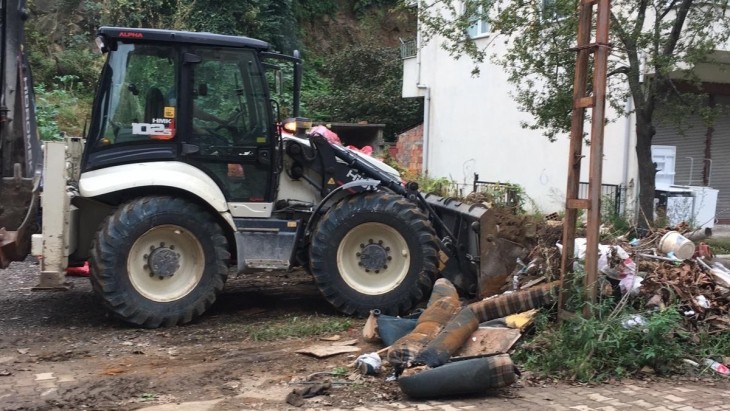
[(297, 396), (369, 331), (489, 340), (633, 321), (717, 367), (324, 351), (368, 364)]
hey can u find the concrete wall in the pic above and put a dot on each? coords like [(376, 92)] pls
[(475, 127)]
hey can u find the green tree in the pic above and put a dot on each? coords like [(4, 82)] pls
[(657, 44), (365, 85)]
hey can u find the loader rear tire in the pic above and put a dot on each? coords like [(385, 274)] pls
[(374, 250), (159, 261)]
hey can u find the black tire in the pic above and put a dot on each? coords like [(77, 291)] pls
[(170, 284), (346, 256)]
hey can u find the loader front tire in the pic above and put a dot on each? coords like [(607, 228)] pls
[(374, 250), (158, 261)]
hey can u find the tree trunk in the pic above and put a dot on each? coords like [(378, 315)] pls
[(647, 169)]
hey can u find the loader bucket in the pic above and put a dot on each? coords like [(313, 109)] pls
[(20, 151), (479, 260)]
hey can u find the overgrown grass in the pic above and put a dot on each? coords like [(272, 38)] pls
[(719, 245), (295, 327), (605, 346)]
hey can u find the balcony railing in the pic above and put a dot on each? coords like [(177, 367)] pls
[(408, 48)]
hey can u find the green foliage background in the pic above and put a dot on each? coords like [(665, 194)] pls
[(352, 70)]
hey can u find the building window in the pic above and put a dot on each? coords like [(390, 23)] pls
[(479, 23)]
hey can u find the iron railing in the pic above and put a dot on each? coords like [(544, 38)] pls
[(408, 48), (503, 194), (610, 197)]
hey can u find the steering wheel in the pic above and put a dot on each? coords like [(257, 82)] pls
[(230, 124)]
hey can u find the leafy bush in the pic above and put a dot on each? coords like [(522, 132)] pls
[(61, 109), (366, 86)]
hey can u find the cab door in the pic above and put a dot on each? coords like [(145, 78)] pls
[(229, 128)]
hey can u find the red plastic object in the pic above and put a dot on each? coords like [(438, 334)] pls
[(82, 271), (703, 250)]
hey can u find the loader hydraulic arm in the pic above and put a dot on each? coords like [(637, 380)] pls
[(20, 151)]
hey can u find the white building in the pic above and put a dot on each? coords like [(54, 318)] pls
[(473, 125)]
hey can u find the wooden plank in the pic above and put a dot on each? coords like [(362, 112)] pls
[(585, 102), (323, 351), (578, 203), (489, 340)]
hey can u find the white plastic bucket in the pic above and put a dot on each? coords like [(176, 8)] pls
[(674, 242)]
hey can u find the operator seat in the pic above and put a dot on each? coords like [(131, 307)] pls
[(154, 104)]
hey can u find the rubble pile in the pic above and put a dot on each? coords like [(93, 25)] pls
[(698, 285), (453, 348)]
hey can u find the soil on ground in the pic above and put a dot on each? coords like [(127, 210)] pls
[(98, 362)]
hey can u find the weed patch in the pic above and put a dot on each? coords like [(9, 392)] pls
[(295, 327)]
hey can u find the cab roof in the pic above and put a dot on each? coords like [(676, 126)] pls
[(172, 36)]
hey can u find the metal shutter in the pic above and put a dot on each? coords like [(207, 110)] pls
[(691, 143), (720, 173)]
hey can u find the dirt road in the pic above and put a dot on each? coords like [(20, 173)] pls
[(62, 350)]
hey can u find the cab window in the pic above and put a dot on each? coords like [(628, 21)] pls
[(229, 101), (139, 99)]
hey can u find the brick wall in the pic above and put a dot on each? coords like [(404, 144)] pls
[(409, 149)]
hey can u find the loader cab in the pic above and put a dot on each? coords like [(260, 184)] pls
[(196, 98)]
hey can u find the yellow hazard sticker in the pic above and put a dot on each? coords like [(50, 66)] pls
[(169, 112), (331, 181), (260, 140)]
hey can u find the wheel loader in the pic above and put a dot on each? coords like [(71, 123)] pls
[(186, 175)]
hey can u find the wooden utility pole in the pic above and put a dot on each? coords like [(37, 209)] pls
[(596, 100)]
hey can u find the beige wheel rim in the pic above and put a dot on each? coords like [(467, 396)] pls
[(373, 258), (166, 263)]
